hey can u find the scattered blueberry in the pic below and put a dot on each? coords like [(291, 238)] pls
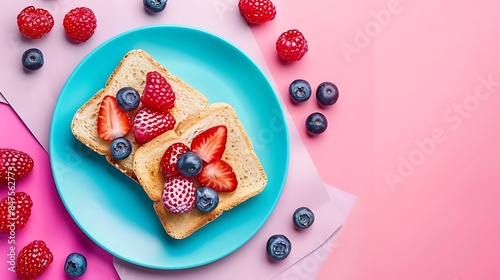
[(32, 59), (278, 247), (128, 98), (76, 264), (327, 94), (207, 199), (303, 217), (299, 90), (316, 123), (120, 148), (189, 164), (154, 6)]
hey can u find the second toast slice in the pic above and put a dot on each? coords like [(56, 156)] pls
[(238, 153)]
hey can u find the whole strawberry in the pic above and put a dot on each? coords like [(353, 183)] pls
[(257, 11), (158, 94), (13, 220), (179, 194), (168, 163), (33, 260), (14, 165), (149, 124), (34, 22), (291, 45), (80, 24)]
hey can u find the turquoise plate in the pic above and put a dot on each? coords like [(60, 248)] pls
[(113, 210)]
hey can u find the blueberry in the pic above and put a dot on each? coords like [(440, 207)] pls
[(316, 123), (120, 148), (327, 94), (128, 98), (76, 264), (189, 164), (299, 90), (32, 59), (303, 217), (278, 247), (207, 199), (154, 6)]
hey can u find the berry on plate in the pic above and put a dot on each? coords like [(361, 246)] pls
[(218, 175), (207, 199), (211, 143), (303, 217), (33, 260), (128, 98), (14, 165), (149, 124), (189, 164), (291, 45), (154, 6), (15, 219), (316, 123), (299, 90), (80, 24), (120, 148), (75, 265), (34, 22), (257, 11), (327, 93), (158, 94), (168, 163), (278, 247), (112, 121), (179, 194)]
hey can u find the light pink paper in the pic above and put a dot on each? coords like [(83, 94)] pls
[(303, 187), (34, 95), (2, 99)]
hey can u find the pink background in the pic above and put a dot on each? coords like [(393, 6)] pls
[(440, 220)]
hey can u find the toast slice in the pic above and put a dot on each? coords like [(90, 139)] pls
[(238, 153), (131, 72)]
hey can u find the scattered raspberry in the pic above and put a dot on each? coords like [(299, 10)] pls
[(257, 11), (34, 22), (291, 45), (15, 219), (14, 165), (33, 260), (80, 24)]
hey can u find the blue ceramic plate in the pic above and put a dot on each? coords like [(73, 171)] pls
[(113, 210)]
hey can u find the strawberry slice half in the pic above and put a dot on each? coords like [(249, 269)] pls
[(219, 176), (211, 143), (149, 124), (113, 121)]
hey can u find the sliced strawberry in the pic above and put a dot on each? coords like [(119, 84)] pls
[(113, 121), (211, 143), (219, 176), (149, 124), (158, 94), (168, 163)]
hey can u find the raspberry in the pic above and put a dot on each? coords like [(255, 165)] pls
[(34, 22), (291, 45), (257, 11), (80, 24), (33, 260), (17, 218)]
